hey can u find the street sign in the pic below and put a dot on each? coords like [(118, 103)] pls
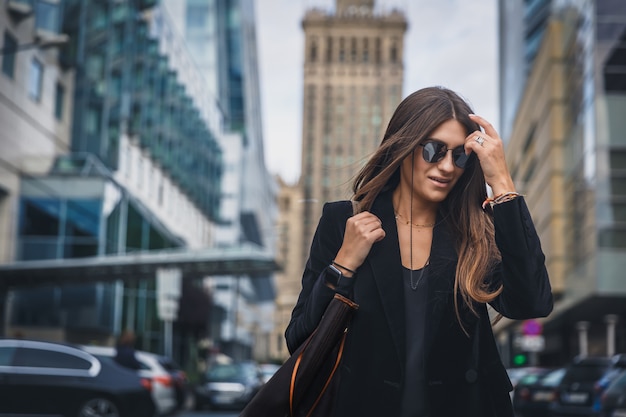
[(169, 288), (532, 328)]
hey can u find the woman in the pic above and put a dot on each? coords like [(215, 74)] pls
[(422, 258)]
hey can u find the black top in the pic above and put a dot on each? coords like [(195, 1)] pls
[(415, 297)]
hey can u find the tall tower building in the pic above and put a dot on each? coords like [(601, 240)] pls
[(353, 76)]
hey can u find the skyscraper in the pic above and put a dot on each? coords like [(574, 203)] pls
[(353, 76)]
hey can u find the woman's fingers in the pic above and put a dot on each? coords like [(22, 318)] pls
[(489, 149), (362, 231), (488, 127)]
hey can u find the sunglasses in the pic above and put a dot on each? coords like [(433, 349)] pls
[(435, 151)]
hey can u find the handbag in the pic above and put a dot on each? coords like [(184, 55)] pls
[(304, 385)]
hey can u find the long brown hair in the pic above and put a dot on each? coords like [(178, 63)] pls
[(415, 118)]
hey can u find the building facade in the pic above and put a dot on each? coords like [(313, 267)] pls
[(566, 153), (221, 35), (133, 153), (290, 241), (35, 103)]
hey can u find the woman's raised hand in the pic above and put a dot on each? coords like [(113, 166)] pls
[(489, 149), (362, 231)]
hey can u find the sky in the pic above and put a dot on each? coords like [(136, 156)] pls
[(451, 43)]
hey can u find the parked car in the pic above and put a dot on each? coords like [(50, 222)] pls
[(613, 401), (45, 378), (534, 393), (228, 385), (579, 391), (163, 389)]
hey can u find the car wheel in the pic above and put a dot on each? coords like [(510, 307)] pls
[(98, 407)]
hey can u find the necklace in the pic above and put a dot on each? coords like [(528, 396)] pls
[(419, 278), (407, 222)]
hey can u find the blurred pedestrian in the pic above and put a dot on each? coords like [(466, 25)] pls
[(425, 254), (125, 351)]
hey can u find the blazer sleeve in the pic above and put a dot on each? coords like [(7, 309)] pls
[(526, 286), (315, 295)]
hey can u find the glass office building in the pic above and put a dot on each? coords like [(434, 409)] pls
[(143, 158)]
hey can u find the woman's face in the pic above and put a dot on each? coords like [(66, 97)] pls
[(433, 181)]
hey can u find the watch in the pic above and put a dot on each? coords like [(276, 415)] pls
[(333, 275)]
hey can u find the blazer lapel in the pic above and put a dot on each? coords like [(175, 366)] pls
[(442, 270), (384, 259)]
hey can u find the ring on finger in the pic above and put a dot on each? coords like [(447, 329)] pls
[(480, 140)]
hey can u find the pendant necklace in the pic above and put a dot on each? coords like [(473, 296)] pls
[(421, 274)]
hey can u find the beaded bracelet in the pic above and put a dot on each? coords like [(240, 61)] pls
[(343, 267), (500, 198)]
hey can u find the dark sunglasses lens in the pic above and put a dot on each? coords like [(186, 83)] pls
[(434, 152), (460, 158)]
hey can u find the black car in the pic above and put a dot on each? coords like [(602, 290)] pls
[(534, 393), (613, 401), (45, 378), (580, 389), (228, 385)]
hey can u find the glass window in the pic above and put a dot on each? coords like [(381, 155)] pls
[(197, 16), (40, 217), (80, 248), (313, 51), (618, 186), (35, 79), (38, 248), (134, 230), (83, 218), (612, 238), (329, 49), (49, 359), (9, 49), (36, 307), (393, 53), (59, 99), (92, 120), (47, 15)]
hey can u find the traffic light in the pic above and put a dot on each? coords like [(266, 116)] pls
[(520, 359)]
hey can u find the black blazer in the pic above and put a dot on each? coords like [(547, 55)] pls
[(465, 376)]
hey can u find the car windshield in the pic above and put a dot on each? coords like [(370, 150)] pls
[(553, 378), (529, 379)]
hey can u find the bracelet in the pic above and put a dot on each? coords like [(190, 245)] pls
[(343, 267), (500, 198)]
